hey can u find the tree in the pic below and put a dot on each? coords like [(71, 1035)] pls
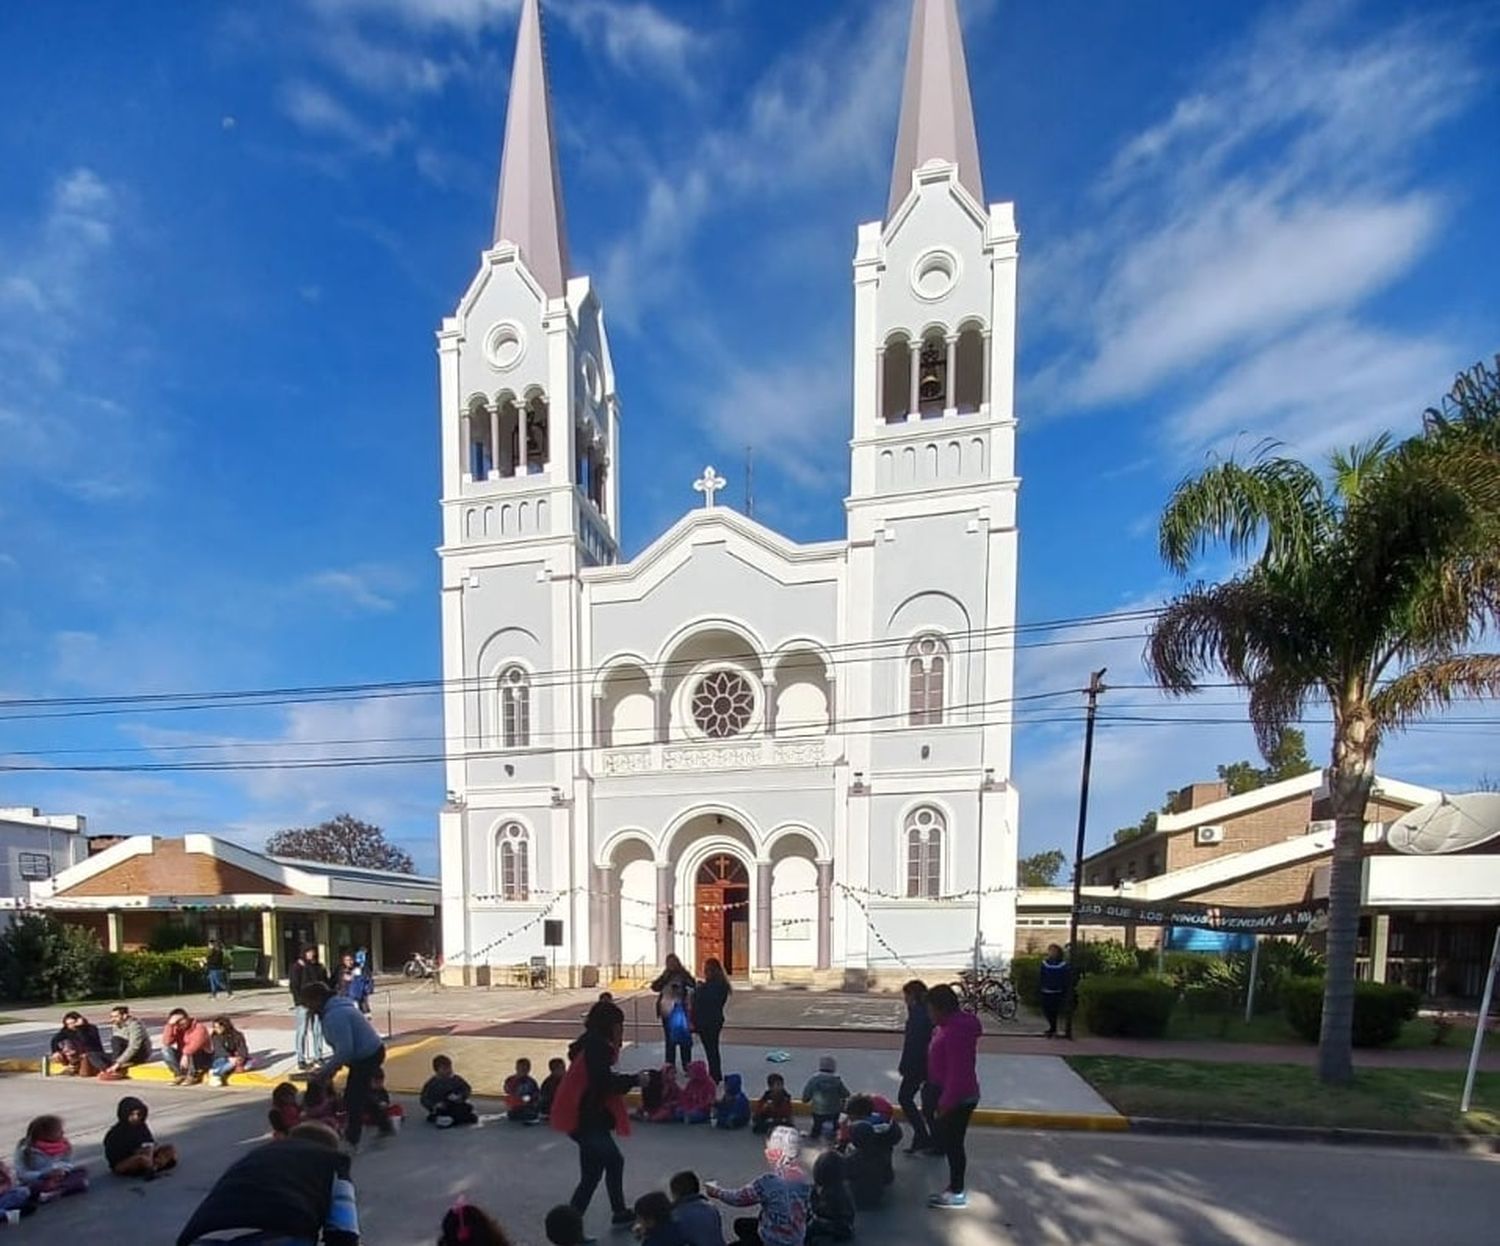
[(1363, 592), (1146, 826), (1042, 868), (342, 841), (1285, 759), (42, 958)]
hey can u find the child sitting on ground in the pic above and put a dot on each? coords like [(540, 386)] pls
[(696, 1103), (445, 1095), (826, 1095), (695, 1215), (130, 1150), (774, 1107), (380, 1109), (564, 1226), (556, 1068), (669, 1107), (321, 1103), (783, 1195), (16, 1200), (832, 1203), (466, 1223), (44, 1160), (654, 1225), (521, 1094), (285, 1112), (733, 1110), (868, 1150)]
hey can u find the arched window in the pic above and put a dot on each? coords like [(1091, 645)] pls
[(924, 853), (536, 435), (515, 708), (895, 381), (513, 862), (932, 375), (968, 384), (927, 670)]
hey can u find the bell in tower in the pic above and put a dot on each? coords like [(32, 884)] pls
[(932, 383)]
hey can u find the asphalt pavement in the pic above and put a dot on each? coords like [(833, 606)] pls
[(1115, 1190)]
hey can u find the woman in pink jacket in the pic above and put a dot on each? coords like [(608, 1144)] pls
[(952, 1059)]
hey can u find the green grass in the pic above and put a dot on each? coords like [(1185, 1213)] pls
[(1271, 1027), (1423, 1100)]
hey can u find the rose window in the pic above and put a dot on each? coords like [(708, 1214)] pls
[(723, 704)]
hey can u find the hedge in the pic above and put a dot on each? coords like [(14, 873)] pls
[(1126, 1006), (152, 973), (1380, 1010), (1026, 973)]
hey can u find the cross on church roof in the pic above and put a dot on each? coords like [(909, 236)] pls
[(709, 484)]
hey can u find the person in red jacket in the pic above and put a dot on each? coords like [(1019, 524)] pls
[(186, 1047), (952, 1067)]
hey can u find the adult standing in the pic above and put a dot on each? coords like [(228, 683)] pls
[(913, 1066), (709, 1001), (217, 966), (590, 1109), (674, 988), (1053, 986), (357, 1047), (304, 972), (952, 1067)]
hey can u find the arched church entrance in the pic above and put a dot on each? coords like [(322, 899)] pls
[(722, 916)]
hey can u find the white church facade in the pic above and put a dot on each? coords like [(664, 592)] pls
[(794, 757)]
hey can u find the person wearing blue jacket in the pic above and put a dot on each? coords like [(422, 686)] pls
[(357, 1046), (1053, 986), (913, 1066), (733, 1110)]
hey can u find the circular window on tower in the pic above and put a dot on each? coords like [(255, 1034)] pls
[(723, 704), (934, 274), (504, 345)]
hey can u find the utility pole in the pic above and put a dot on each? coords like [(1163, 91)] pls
[(1095, 689)]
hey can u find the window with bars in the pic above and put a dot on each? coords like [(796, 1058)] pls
[(927, 669), (34, 865), (515, 708), (514, 852), (924, 853)]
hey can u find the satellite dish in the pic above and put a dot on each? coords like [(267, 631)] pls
[(1449, 824)]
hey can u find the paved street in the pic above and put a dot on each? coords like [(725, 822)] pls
[(1116, 1190)]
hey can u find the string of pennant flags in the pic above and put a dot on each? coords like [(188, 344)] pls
[(859, 896)]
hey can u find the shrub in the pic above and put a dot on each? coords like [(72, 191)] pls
[(1026, 973), (1132, 1007), (1187, 968), (1380, 1010), (129, 974), (42, 958), (1107, 957)]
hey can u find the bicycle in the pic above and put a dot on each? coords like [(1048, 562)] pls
[(989, 989), (420, 966)]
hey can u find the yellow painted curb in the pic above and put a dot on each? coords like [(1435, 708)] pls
[(1016, 1118)]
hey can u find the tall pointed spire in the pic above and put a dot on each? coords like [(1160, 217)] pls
[(529, 211), (937, 115)]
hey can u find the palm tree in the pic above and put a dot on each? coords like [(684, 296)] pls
[(1364, 591)]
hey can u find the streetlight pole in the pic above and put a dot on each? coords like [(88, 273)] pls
[(1095, 688)]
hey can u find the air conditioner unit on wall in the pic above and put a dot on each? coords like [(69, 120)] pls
[(1209, 835)]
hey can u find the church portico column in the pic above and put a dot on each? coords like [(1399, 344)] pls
[(494, 468), (825, 913), (663, 710), (466, 435), (601, 923), (984, 379), (763, 916), (950, 402), (665, 919), (880, 384)]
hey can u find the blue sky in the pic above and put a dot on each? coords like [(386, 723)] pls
[(228, 232)]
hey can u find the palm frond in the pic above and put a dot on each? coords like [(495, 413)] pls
[(1470, 410), (1274, 508), (1354, 466), (1435, 684)]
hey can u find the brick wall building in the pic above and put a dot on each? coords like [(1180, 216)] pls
[(134, 885)]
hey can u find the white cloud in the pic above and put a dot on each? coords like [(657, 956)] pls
[(1276, 198), (635, 37), (369, 589), (318, 111)]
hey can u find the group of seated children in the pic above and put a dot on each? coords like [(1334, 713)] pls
[(665, 1101), (320, 1102), (526, 1101)]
